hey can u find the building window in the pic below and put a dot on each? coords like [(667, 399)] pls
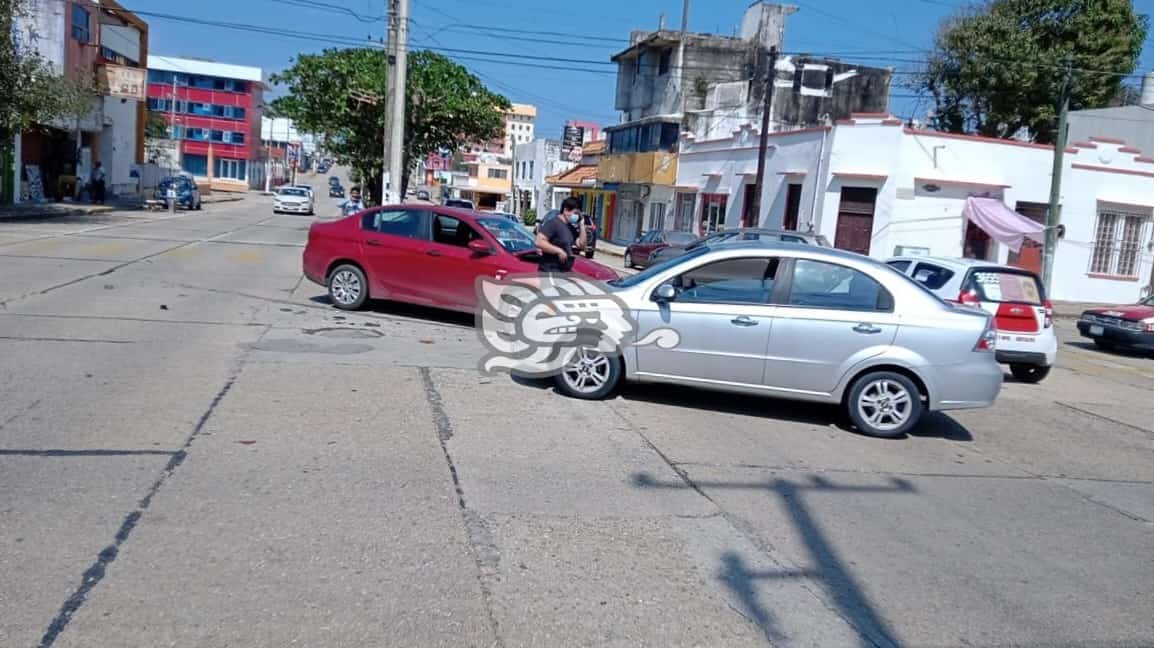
[(1118, 243), (530, 168), (230, 169), (663, 62), (80, 24), (197, 165), (472, 172), (498, 174)]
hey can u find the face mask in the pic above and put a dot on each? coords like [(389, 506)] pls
[(573, 218)]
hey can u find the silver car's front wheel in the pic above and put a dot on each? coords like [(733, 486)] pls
[(885, 404), (590, 375)]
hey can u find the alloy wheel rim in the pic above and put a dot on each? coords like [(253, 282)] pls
[(587, 372), (346, 287), (885, 404)]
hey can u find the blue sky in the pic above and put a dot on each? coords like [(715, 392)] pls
[(883, 34)]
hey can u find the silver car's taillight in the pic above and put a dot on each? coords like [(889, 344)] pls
[(989, 341)]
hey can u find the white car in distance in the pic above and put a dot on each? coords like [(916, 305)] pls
[(292, 200)]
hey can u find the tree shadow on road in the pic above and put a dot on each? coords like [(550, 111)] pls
[(827, 569)]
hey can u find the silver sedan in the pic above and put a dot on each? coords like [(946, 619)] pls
[(803, 323)]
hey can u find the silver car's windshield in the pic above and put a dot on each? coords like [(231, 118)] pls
[(293, 192), (657, 268)]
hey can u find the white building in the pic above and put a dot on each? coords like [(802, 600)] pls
[(874, 186), (536, 161), (520, 126)]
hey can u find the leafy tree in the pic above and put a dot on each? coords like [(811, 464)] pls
[(998, 69), (338, 94), (156, 127), (31, 91)]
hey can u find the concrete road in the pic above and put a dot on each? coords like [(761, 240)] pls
[(196, 450)]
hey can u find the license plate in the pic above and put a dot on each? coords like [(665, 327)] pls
[(1097, 330)]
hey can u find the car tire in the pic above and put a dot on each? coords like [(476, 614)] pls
[(1104, 345), (348, 287), (589, 253), (590, 375), (628, 260), (884, 404), (1032, 374), (198, 205)]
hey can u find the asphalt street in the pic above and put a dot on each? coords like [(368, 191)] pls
[(197, 450)]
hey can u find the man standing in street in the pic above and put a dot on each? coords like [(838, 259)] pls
[(98, 183), (555, 237), (353, 204)]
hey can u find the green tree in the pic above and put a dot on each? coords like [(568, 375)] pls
[(997, 68), (31, 92), (156, 127), (337, 94)]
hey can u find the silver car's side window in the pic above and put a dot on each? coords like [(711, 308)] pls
[(732, 281), (817, 284)]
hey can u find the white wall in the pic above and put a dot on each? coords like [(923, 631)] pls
[(1083, 192), (726, 166), (118, 144)]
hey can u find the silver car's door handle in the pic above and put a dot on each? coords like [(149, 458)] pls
[(744, 320), (866, 329)]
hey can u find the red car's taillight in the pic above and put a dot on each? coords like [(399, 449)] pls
[(1049, 313)]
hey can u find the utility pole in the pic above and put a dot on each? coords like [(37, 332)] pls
[(397, 53), (1054, 213), (759, 183), (172, 117), (513, 174)]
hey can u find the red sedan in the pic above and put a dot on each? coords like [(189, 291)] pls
[(421, 254)]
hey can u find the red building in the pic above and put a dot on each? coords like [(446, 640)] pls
[(216, 108)]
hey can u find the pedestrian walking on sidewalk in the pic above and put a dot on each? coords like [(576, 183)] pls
[(557, 236), (98, 179)]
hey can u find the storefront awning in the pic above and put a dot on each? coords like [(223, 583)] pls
[(1003, 224)]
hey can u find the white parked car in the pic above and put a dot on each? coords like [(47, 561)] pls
[(292, 200), (1015, 297)]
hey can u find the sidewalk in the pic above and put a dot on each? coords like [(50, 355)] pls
[(25, 211), (611, 249)]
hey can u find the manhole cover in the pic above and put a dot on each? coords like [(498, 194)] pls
[(346, 333)]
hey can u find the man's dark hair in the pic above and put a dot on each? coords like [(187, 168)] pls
[(356, 189), (569, 204)]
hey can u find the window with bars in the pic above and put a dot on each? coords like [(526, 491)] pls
[(1118, 240)]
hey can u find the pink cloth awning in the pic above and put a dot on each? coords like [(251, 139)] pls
[(1003, 224)]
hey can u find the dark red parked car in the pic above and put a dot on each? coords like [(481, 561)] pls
[(421, 254), (639, 252), (1126, 327)]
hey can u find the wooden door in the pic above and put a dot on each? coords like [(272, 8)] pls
[(1030, 257), (855, 219), (792, 207), (748, 217)]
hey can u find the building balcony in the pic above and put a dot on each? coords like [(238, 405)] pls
[(657, 168)]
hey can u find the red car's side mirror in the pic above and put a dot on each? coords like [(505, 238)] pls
[(480, 247)]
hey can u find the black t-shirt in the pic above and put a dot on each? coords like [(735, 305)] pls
[(560, 234)]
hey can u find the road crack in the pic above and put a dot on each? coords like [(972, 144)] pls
[(486, 554)]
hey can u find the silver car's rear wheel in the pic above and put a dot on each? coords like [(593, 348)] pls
[(885, 404), (590, 375)]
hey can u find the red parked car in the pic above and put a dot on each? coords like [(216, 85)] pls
[(639, 252), (1127, 327), (421, 254)]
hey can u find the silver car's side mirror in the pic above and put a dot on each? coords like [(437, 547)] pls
[(664, 293)]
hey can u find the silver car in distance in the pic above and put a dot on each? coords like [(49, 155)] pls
[(805, 323)]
